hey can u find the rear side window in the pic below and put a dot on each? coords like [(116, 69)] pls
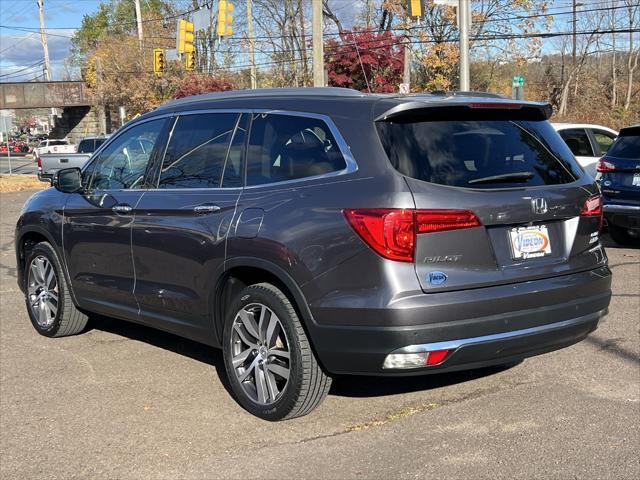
[(627, 146), (479, 154), (286, 147), (578, 142), (604, 140), (197, 151), (86, 146)]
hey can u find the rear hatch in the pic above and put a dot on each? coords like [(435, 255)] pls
[(525, 209), (619, 170)]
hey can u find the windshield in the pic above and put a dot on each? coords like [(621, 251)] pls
[(626, 147), (479, 153)]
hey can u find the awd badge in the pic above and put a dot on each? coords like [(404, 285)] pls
[(437, 278)]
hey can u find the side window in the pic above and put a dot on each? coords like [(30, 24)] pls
[(122, 164), (604, 140), (232, 175), (286, 147), (197, 151), (578, 142)]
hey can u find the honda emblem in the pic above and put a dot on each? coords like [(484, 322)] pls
[(539, 206)]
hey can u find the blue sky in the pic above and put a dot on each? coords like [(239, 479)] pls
[(21, 50)]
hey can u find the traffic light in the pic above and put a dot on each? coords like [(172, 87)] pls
[(158, 61), (190, 61), (185, 37), (415, 8), (225, 19)]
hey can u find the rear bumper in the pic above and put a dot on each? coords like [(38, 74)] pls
[(622, 215), (528, 319)]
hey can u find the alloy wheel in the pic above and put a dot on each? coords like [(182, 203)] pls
[(260, 353), (43, 291)]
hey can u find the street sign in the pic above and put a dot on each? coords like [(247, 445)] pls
[(518, 81), (201, 19)]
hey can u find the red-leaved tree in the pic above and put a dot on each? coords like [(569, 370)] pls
[(357, 53), (195, 84)]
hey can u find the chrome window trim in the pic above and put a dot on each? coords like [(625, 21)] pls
[(345, 150)]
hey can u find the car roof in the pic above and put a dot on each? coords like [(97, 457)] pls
[(566, 126), (631, 131), (336, 101)]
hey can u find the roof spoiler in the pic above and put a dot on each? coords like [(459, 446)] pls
[(472, 108)]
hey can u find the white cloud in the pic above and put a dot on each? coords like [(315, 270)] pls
[(23, 50)]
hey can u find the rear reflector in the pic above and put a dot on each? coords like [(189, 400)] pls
[(436, 357), (392, 232), (605, 166), (414, 360)]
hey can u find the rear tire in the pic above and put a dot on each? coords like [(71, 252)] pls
[(49, 304), (264, 342), (621, 236)]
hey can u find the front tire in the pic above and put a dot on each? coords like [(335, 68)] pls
[(48, 299), (271, 367)]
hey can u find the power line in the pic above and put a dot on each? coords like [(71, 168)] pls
[(37, 64)]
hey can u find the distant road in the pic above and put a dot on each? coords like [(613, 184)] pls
[(19, 164)]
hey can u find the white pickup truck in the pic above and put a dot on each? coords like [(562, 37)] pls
[(50, 163), (54, 146)]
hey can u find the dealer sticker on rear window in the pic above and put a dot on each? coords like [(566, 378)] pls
[(529, 242)]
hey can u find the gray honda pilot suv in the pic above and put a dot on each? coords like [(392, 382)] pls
[(315, 232)]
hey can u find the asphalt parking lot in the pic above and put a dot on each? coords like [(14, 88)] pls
[(18, 164), (125, 401)]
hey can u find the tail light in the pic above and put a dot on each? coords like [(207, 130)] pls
[(39, 163), (392, 232), (593, 208), (605, 166)]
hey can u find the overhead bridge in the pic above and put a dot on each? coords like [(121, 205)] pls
[(44, 95), (79, 116)]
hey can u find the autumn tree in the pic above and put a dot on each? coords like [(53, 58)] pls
[(365, 60)]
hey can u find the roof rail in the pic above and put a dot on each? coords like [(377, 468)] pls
[(268, 92)]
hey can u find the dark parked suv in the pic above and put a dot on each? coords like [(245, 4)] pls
[(316, 232), (619, 178)]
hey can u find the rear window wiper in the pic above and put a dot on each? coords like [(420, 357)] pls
[(505, 177)]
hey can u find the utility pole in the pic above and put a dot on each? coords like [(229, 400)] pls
[(407, 63), (252, 56), (318, 50), (102, 115), (139, 21), (45, 45), (573, 52), (464, 18)]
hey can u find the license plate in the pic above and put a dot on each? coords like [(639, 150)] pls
[(636, 180), (529, 242)]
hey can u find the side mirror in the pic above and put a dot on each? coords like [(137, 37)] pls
[(68, 180)]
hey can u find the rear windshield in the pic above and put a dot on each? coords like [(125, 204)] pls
[(479, 153), (626, 147), (57, 142)]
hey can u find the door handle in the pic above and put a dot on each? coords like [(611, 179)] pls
[(206, 208), (124, 208)]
